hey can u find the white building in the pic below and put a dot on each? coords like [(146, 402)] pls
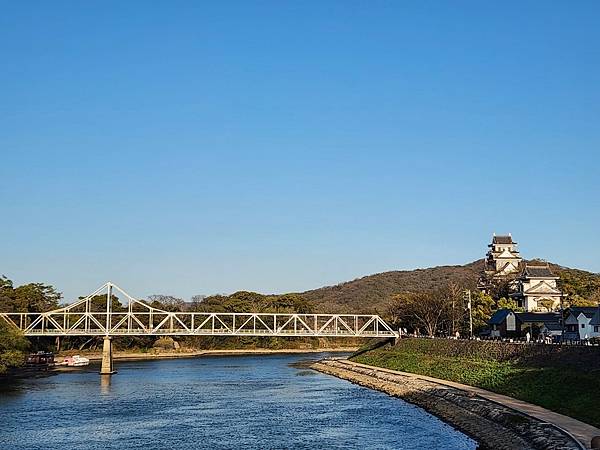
[(582, 323), (537, 289)]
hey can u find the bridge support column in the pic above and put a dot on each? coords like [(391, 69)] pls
[(107, 359)]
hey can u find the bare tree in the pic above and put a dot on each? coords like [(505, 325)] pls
[(426, 311), (454, 293), (166, 302), (198, 298)]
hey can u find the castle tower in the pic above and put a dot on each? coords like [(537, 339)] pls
[(503, 257)]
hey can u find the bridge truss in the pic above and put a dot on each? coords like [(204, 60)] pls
[(87, 317)]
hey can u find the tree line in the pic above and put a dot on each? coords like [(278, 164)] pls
[(445, 311), (40, 297)]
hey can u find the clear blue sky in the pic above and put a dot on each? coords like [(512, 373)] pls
[(195, 147)]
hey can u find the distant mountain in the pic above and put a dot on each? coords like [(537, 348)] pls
[(372, 293)]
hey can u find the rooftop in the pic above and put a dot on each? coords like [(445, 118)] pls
[(588, 311), (538, 271), (551, 320), (538, 317), (499, 316), (553, 326), (503, 239)]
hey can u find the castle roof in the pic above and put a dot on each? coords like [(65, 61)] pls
[(538, 271), (507, 254), (503, 240)]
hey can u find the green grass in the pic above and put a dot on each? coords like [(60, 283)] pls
[(564, 390)]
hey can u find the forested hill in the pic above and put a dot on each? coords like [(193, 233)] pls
[(371, 294)]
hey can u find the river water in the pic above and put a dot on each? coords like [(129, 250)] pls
[(218, 402)]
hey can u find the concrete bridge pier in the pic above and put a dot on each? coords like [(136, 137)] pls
[(107, 359)]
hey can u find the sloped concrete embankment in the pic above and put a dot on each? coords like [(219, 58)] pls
[(492, 425)]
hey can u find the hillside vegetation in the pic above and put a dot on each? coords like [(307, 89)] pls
[(372, 294)]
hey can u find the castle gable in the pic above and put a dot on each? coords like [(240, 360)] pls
[(542, 288), (507, 254)]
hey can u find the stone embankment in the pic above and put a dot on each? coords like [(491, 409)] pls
[(492, 425)]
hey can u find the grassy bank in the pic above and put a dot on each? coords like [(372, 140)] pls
[(556, 378)]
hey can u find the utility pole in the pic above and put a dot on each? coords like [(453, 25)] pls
[(469, 306), (562, 322), (598, 298), (470, 316), (453, 318)]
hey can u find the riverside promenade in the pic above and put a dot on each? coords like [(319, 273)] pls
[(483, 414)]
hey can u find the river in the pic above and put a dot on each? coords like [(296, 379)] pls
[(216, 402)]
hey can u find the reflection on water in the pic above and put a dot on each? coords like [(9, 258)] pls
[(214, 403), (105, 384)]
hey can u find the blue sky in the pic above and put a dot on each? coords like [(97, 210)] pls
[(196, 147)]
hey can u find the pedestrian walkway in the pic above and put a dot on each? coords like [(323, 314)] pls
[(583, 432)]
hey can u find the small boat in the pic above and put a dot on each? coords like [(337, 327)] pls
[(40, 359), (75, 361)]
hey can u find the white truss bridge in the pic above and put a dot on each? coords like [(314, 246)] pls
[(87, 318)]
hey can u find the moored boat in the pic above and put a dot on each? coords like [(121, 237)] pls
[(75, 361), (40, 359)]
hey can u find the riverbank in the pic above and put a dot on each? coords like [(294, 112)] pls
[(563, 379), (185, 353), (493, 425)]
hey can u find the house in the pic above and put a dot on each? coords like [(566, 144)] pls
[(548, 324), (582, 323), (537, 289), (503, 323), (553, 329), (506, 323), (595, 323)]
